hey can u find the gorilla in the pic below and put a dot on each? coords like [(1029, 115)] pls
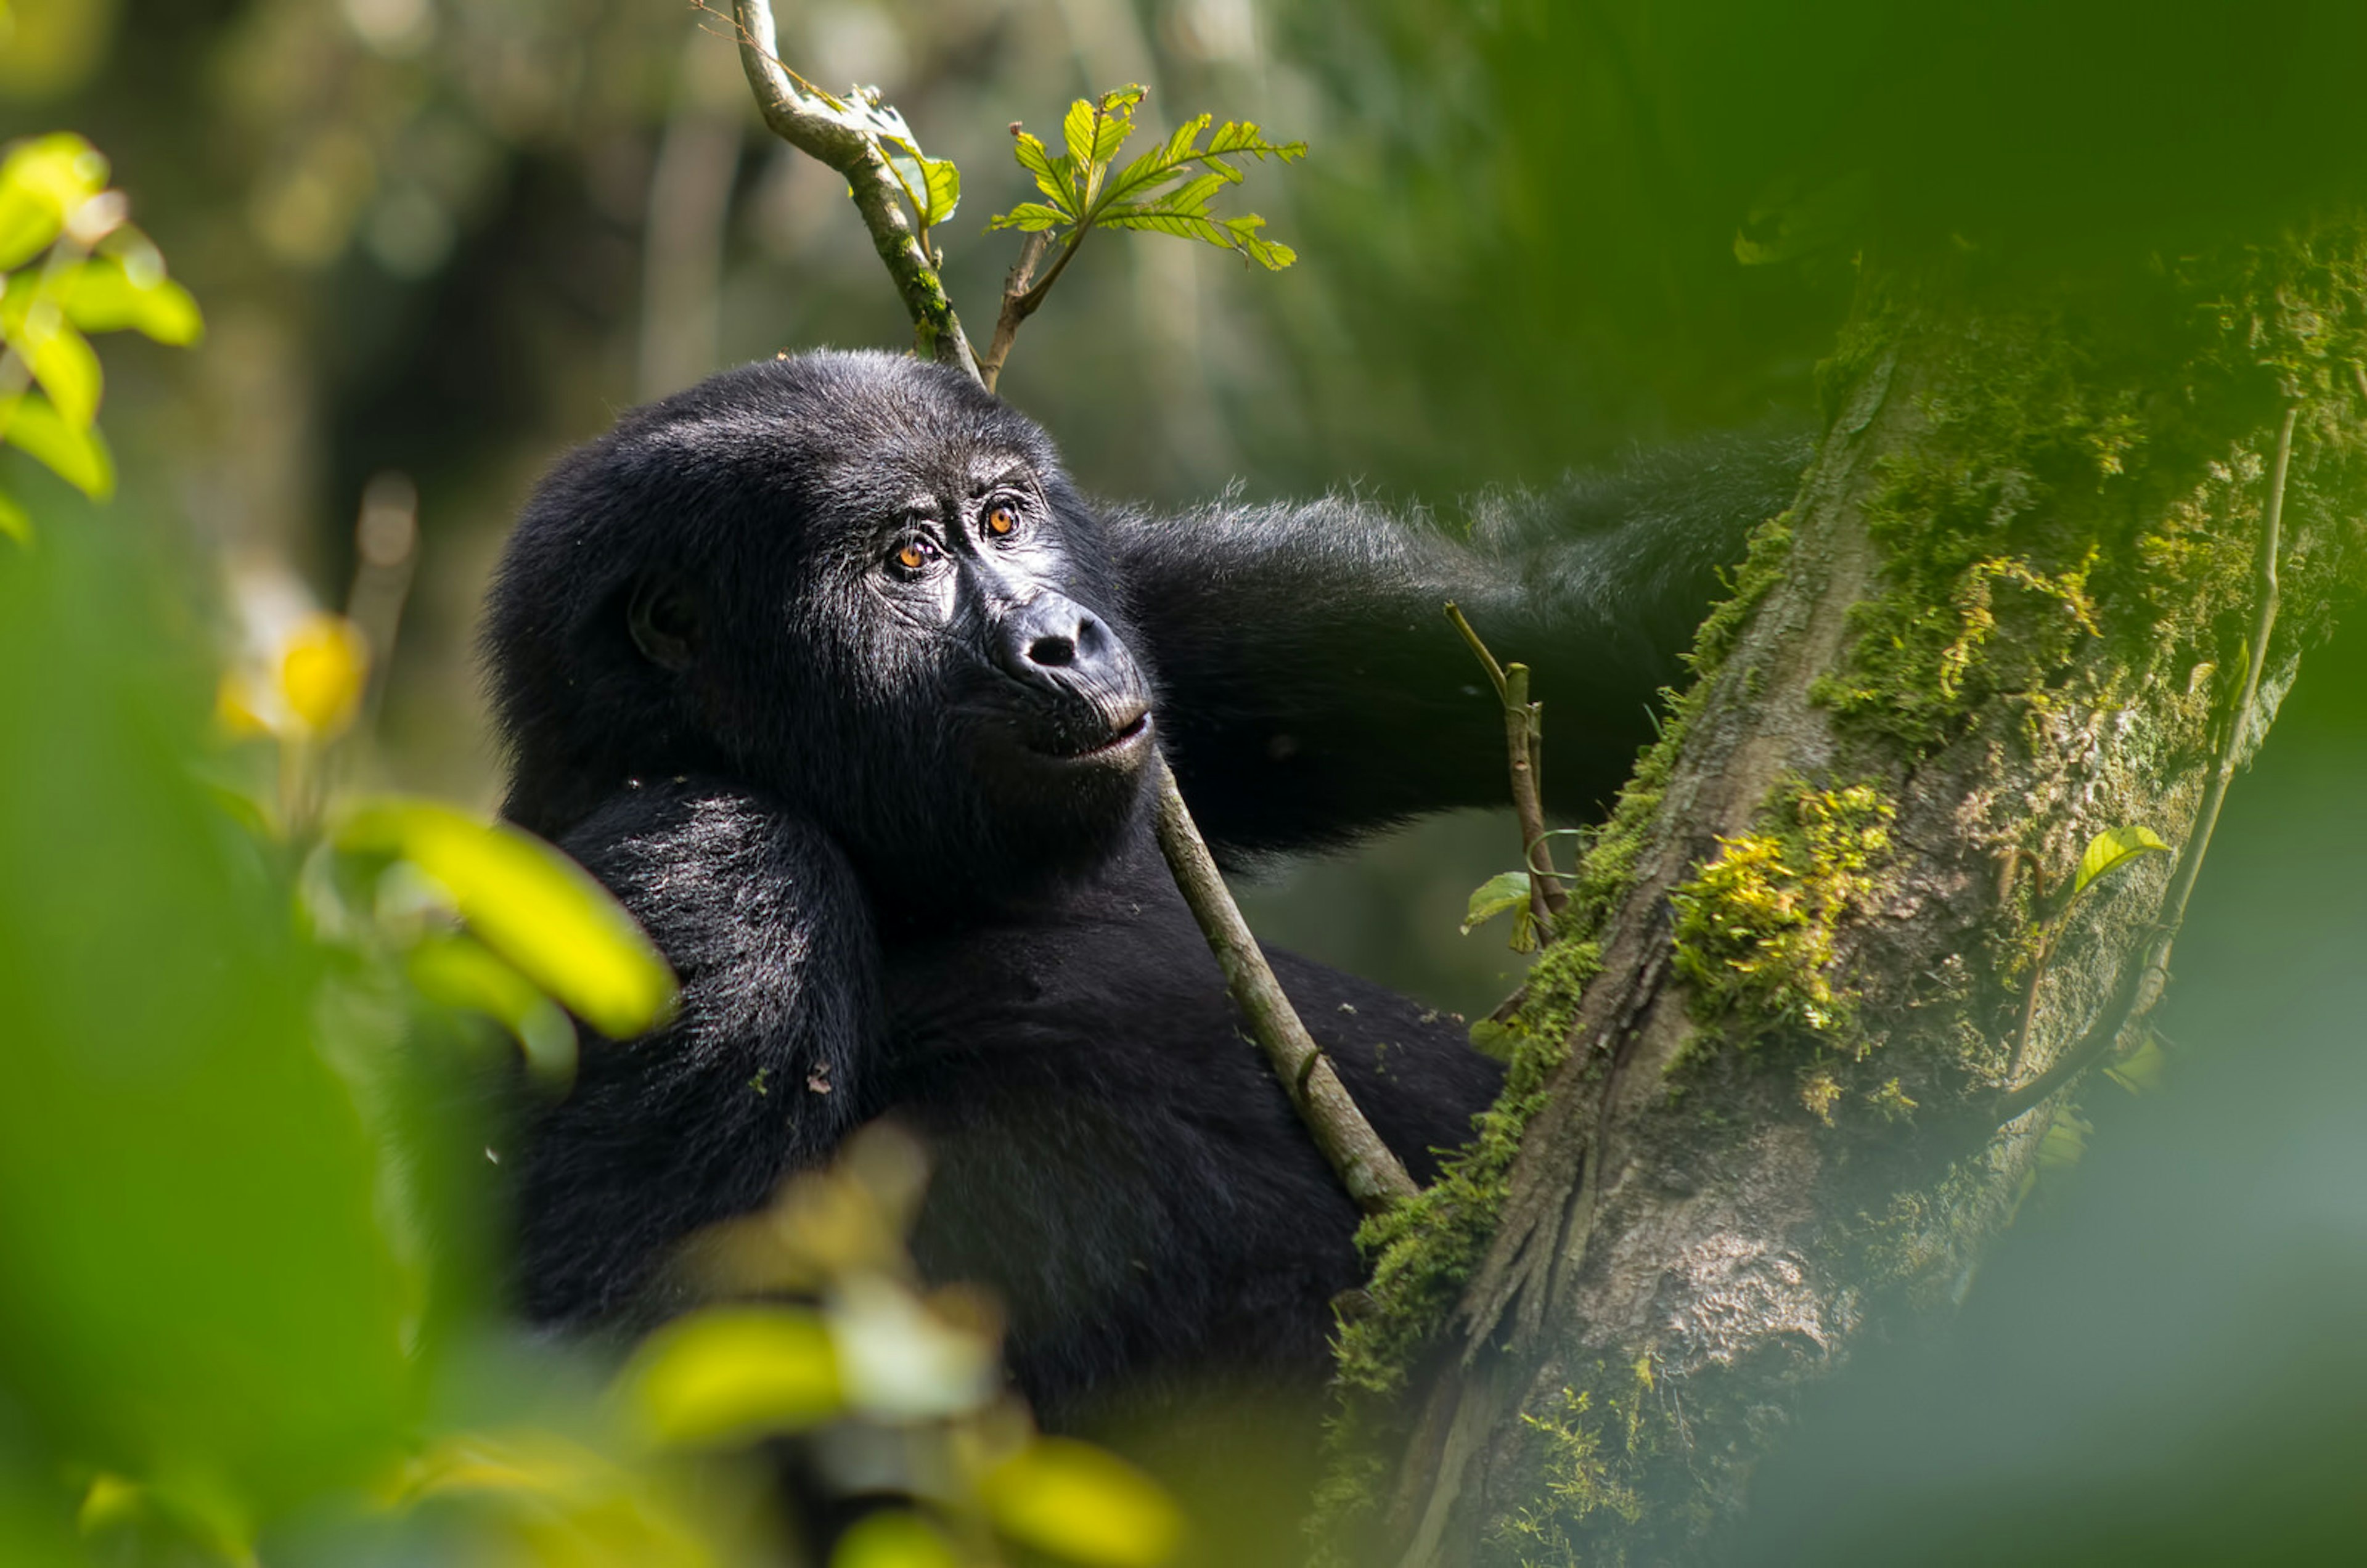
[(826, 668)]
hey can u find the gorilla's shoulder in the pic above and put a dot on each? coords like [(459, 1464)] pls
[(713, 868)]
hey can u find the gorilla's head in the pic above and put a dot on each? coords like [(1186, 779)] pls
[(855, 580)]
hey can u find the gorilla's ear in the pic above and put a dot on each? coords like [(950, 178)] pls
[(664, 620)]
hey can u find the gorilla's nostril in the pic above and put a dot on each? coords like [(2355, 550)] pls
[(1056, 652)]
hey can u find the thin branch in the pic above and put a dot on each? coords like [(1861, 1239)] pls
[(1524, 735), (1019, 302), (801, 115), (2141, 984), (1372, 1174)]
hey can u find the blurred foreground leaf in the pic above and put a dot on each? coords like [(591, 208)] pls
[(75, 454), (894, 1540), (530, 904), (199, 1293), (1080, 1503), (728, 1374)]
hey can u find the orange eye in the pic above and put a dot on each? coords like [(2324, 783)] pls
[(914, 554), (1001, 520)]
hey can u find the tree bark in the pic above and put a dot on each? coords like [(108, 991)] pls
[(1754, 1113)]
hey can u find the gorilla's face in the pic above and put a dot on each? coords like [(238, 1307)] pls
[(856, 581)]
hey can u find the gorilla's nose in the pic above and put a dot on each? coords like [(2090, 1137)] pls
[(1053, 633)]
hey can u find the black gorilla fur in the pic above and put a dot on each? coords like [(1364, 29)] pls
[(870, 769)]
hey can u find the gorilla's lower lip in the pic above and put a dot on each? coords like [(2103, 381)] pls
[(1118, 740)]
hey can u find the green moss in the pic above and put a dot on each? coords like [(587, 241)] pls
[(1583, 1465), (2058, 465), (1756, 929)]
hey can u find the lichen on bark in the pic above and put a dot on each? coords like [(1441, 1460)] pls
[(2008, 611)]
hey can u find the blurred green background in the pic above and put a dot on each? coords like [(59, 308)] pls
[(445, 239)]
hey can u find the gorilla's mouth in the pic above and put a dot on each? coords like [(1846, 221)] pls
[(1117, 742)]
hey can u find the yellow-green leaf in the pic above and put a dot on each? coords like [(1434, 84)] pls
[(2113, 849), (1054, 176), (1030, 217), (75, 454), (894, 1539), (461, 973), (15, 520), (42, 183), (530, 904), (2144, 1069), (1078, 1501), (1077, 133), (1506, 890), (103, 295), (61, 359), (725, 1374)]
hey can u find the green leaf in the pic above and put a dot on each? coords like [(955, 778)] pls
[(43, 182), (1236, 234), (464, 973), (1055, 177), (2111, 850), (1506, 890), (530, 904), (894, 1539), (1030, 217), (1116, 122), (15, 520), (2064, 1141), (1246, 137), (1077, 134), (1077, 1502), (725, 1374), (62, 360), (943, 182), (77, 455), (105, 294), (2144, 1069)]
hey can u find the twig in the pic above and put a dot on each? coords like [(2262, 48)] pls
[(2141, 984), (1523, 748), (798, 115), (1372, 1174), (1020, 301)]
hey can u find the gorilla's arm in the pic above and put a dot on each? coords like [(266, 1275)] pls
[(1311, 687), (761, 1071)]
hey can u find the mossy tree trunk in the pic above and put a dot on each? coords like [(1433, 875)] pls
[(1758, 1111)]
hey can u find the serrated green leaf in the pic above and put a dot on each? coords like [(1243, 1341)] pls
[(60, 358), (2113, 849), (76, 455), (1116, 123), (1505, 890), (1077, 133), (1055, 177), (459, 972), (530, 904), (103, 296), (1082, 1505), (1029, 217), (1246, 137)]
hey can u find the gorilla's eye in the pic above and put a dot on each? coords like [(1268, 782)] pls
[(1001, 520), (915, 553)]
